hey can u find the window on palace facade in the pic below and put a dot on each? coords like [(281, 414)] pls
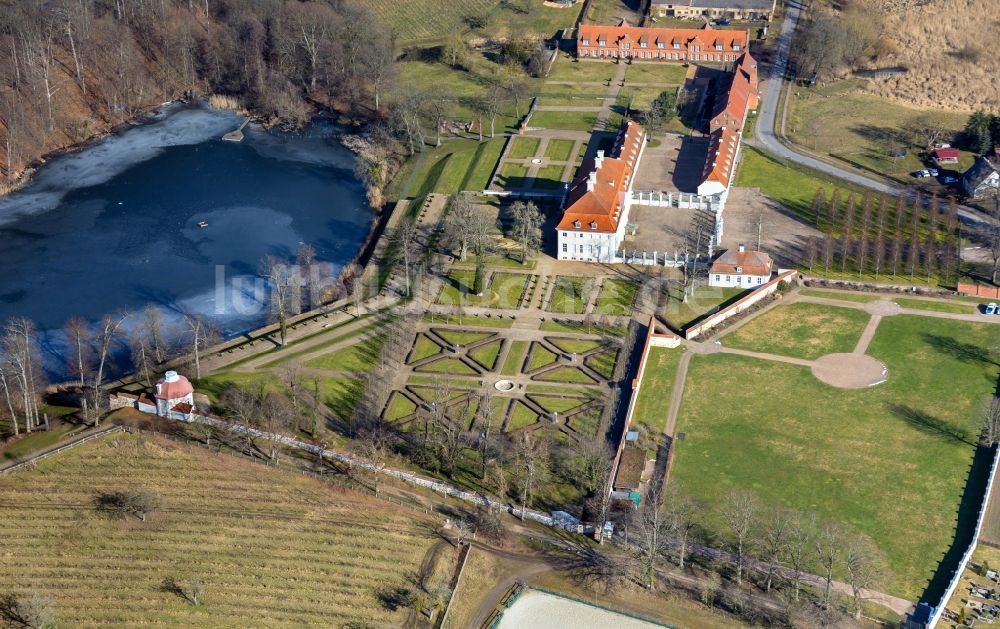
[(565, 246), (625, 45), (717, 277)]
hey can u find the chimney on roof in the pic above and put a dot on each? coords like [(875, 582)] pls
[(600, 158), (741, 248), (591, 180)]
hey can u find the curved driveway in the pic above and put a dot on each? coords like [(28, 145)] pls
[(768, 114)]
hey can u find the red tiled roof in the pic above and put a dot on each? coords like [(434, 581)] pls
[(750, 263), (613, 34), (597, 193), (173, 390), (946, 153)]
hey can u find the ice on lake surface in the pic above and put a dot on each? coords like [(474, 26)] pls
[(115, 225)]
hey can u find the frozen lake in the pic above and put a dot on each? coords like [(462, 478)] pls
[(116, 225)]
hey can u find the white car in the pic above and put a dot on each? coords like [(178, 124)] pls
[(932, 172), (922, 173)]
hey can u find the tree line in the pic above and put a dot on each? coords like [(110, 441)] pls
[(868, 235), (73, 68), (145, 340)]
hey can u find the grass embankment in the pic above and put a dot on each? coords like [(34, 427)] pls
[(657, 387), (702, 300), (841, 121), (458, 164), (272, 548), (801, 330), (891, 461)]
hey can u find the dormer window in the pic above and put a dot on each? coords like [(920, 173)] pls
[(625, 45), (736, 46), (739, 269), (644, 44), (593, 224), (602, 42), (576, 224), (659, 44), (718, 46), (586, 42), (676, 45)]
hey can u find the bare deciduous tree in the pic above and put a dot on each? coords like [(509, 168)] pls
[(864, 566), (531, 465), (739, 512), (829, 546), (526, 223)]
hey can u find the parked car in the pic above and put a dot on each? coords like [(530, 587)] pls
[(933, 172), (722, 22), (950, 179), (990, 308), (921, 173)]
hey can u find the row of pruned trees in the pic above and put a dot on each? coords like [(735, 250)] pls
[(868, 235), (770, 545)]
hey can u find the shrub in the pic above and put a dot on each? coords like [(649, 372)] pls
[(121, 504)]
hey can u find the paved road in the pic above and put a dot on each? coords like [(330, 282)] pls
[(769, 116), (769, 113)]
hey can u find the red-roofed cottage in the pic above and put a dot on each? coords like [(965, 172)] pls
[(172, 390), (740, 268), (596, 206)]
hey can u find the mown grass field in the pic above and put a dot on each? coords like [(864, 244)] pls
[(458, 164), (801, 330), (702, 300), (272, 548), (891, 461)]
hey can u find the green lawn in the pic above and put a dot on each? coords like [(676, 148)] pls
[(704, 299), (571, 375), (513, 176), (524, 148), (568, 120), (341, 395), (616, 297), (447, 365), (666, 73), (841, 295), (475, 321), (504, 290), (359, 357), (515, 357), (656, 388), (560, 150), (791, 186), (891, 461), (936, 306), (486, 355), (549, 177), (424, 348), (461, 337), (567, 68), (581, 328), (399, 406), (37, 440), (540, 357), (603, 363), (570, 294), (642, 97), (574, 346), (520, 416), (801, 330), (559, 405), (458, 164), (587, 422)]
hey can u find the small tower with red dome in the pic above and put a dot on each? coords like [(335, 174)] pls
[(170, 390)]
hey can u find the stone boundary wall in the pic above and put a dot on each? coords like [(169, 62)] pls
[(758, 294), (466, 551), (967, 556)]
